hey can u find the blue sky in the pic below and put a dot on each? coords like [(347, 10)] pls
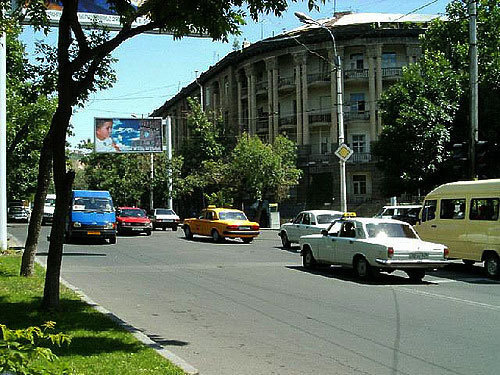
[(153, 68)]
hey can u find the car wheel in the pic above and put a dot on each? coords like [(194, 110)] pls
[(491, 263), (416, 275), (362, 268), (308, 260), (148, 233), (247, 240), (174, 228), (216, 236), (187, 232), (284, 240), (112, 240)]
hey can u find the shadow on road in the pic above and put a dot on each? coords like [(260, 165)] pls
[(472, 274), (345, 274), (65, 254)]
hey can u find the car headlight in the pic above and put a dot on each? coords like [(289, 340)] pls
[(77, 224), (110, 225)]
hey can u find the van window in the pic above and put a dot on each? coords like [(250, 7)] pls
[(429, 210), (452, 209), (484, 209)]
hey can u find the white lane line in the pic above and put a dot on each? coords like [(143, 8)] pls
[(455, 299)]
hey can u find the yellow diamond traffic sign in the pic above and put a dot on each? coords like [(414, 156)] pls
[(344, 152)]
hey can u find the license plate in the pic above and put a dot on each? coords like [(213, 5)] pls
[(136, 228), (244, 228), (419, 255), (93, 232)]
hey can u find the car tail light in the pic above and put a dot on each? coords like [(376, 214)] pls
[(232, 227), (446, 252), (390, 252), (255, 227)]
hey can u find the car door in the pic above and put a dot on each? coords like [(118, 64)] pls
[(293, 230), (328, 243), (346, 244), (305, 227)]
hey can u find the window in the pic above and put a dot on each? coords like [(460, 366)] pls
[(357, 61), (357, 102), (323, 145), (452, 209), (484, 209), (348, 230), (391, 230), (298, 219), (359, 183), (429, 210), (306, 219), (359, 143), (388, 60)]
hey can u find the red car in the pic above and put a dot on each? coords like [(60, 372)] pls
[(132, 220)]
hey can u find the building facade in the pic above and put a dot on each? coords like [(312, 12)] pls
[(287, 85)]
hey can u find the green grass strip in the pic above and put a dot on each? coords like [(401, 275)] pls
[(98, 346)]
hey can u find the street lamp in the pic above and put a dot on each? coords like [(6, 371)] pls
[(343, 152)]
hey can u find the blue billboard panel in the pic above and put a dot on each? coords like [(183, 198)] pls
[(128, 135), (90, 6)]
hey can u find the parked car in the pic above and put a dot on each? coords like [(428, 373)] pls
[(405, 212), (48, 208), (221, 223), (369, 245), (164, 218), (18, 213), (132, 220), (306, 222)]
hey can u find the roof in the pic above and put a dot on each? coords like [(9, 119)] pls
[(130, 208), (480, 186), (324, 212), (374, 220), (92, 193), (219, 209), (405, 206)]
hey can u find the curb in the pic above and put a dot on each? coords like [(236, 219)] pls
[(176, 360)]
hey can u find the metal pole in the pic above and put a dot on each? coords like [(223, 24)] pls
[(3, 142), (151, 202), (340, 119), (474, 118), (201, 89), (168, 131)]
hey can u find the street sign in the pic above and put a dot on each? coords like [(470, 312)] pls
[(344, 152)]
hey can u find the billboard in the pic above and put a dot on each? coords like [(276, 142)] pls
[(128, 135)]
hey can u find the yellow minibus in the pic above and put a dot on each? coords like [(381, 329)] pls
[(464, 216)]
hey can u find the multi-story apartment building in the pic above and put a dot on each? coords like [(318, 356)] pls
[(287, 85)]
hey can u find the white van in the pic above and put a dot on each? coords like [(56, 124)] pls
[(48, 208), (464, 216)]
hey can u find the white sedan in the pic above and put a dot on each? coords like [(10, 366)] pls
[(306, 222), (369, 245)]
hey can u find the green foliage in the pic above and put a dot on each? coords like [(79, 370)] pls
[(24, 351)]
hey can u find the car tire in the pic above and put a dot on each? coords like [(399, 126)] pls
[(174, 228), (112, 240), (247, 240), (216, 236), (308, 260), (148, 233), (187, 232), (416, 275), (284, 241), (362, 268), (491, 265)]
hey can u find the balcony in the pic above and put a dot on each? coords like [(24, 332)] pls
[(354, 74), (360, 157), (320, 118), (392, 72), (286, 83), (262, 122), (288, 121), (356, 115), (318, 78), (261, 86)]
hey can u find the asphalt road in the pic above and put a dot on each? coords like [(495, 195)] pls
[(252, 309)]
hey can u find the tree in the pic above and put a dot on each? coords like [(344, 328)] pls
[(417, 113), (261, 170), (77, 72)]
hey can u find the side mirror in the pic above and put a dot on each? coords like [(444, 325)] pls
[(324, 232)]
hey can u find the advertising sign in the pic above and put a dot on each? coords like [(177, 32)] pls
[(128, 135)]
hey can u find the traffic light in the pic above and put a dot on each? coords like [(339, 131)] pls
[(482, 159), (460, 159)]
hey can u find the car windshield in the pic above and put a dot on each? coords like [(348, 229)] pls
[(132, 213), (96, 204), (327, 218), (392, 230), (17, 209), (51, 202), (232, 215), (164, 211)]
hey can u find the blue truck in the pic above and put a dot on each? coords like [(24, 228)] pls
[(91, 215)]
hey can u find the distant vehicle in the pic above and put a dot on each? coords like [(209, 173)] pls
[(132, 220), (18, 213), (465, 216), (164, 218), (370, 245), (91, 215), (221, 223), (306, 222), (48, 208), (404, 212)]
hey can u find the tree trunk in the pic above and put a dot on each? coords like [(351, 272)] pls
[(30, 247), (258, 211), (63, 182)]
